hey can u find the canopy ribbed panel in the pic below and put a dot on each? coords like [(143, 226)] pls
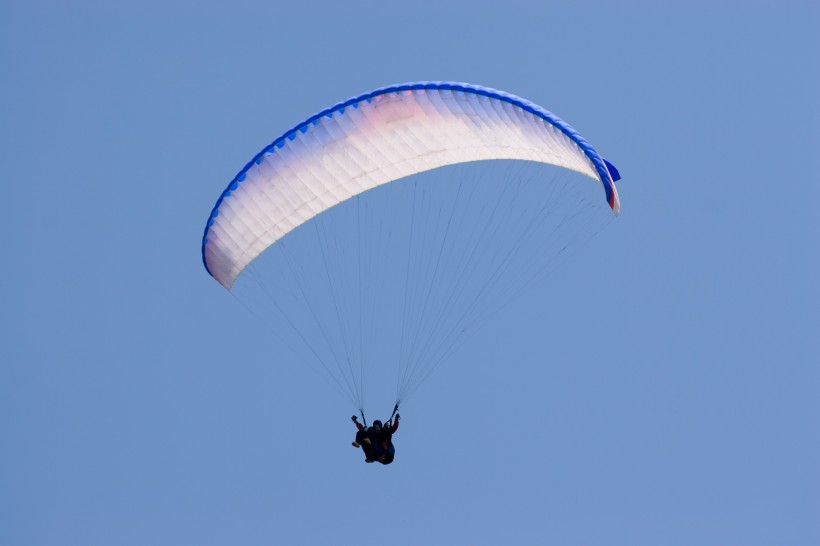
[(368, 143)]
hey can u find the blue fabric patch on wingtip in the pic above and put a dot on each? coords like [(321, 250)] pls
[(613, 172)]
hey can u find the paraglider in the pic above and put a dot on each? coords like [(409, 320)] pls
[(340, 154), (377, 440)]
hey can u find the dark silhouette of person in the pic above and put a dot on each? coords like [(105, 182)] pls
[(376, 441)]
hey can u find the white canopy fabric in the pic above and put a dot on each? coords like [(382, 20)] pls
[(374, 139)]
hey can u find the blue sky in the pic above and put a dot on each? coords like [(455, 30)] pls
[(660, 388)]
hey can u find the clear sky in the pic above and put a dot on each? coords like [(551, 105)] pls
[(660, 388)]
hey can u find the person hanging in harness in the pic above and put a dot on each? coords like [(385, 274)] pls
[(377, 441)]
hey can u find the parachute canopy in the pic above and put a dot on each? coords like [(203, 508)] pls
[(376, 138)]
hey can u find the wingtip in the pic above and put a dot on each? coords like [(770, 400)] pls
[(615, 201)]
